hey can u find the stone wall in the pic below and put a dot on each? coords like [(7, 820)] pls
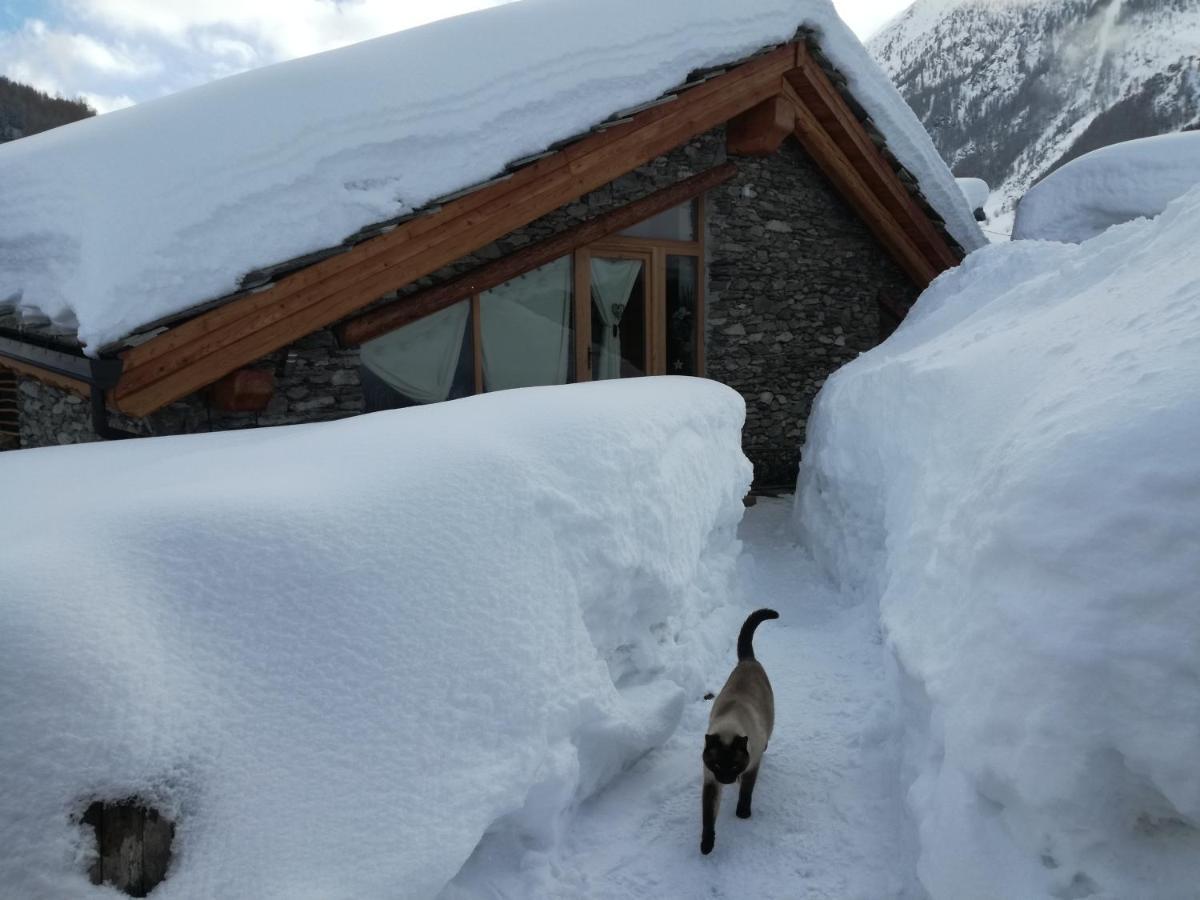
[(50, 416), (793, 278), (314, 381)]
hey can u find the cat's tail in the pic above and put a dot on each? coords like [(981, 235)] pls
[(746, 637)]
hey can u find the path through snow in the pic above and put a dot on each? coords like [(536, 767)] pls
[(826, 810)]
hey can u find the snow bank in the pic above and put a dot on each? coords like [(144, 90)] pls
[(1109, 186), (1015, 475), (114, 222), (342, 653), (975, 190)]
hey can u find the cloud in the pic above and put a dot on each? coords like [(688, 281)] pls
[(866, 17), (116, 52), (66, 62)]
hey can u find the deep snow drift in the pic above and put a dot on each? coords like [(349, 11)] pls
[(341, 653), (1109, 186), (117, 221), (1015, 475)]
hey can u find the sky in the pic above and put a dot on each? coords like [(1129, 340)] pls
[(115, 53)]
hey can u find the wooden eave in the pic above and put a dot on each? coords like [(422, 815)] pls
[(199, 351)]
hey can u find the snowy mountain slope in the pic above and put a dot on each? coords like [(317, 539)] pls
[(1012, 89)]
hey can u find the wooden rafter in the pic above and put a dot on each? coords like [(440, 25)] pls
[(204, 349), (404, 310), (812, 86), (857, 192)]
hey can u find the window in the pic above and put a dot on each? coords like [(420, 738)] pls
[(525, 329), (647, 298), (677, 224), (427, 361), (683, 337), (630, 304)]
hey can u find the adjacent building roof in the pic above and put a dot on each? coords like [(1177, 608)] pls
[(1108, 186)]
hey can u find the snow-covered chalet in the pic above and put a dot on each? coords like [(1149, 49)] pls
[(529, 195)]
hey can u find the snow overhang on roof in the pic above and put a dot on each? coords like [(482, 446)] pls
[(148, 214)]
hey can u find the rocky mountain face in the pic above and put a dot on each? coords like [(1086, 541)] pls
[(1012, 89)]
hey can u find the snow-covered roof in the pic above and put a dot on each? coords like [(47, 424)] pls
[(1109, 186), (118, 221)]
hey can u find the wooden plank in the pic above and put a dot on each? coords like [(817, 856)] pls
[(582, 262), (397, 313), (62, 382), (157, 836), (760, 130), (133, 846), (200, 351), (830, 107), (656, 334), (850, 183), (477, 343)]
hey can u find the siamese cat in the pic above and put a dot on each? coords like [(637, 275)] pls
[(739, 727)]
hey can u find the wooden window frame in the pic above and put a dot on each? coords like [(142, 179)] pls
[(659, 249), (583, 303), (653, 252)]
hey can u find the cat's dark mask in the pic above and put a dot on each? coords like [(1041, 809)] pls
[(726, 761)]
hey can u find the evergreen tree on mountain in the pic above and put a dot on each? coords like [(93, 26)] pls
[(25, 110)]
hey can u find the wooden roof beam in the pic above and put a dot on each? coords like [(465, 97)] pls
[(760, 131)]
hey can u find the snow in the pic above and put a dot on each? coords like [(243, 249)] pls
[(1109, 186), (118, 221), (828, 813), (975, 190), (1014, 477), (341, 654)]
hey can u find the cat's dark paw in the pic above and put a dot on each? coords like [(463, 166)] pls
[(743, 812), (706, 843)]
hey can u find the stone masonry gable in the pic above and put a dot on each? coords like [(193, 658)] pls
[(794, 277)]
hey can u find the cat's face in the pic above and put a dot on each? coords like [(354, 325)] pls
[(726, 761)]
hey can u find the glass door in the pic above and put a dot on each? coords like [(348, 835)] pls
[(620, 314), (639, 299)]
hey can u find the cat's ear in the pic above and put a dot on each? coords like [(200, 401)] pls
[(742, 741)]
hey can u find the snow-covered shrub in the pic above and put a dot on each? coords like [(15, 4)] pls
[(339, 654), (1109, 186), (975, 190), (1015, 475)]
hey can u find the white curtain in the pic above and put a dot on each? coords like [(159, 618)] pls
[(612, 284), (419, 360), (525, 328)]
